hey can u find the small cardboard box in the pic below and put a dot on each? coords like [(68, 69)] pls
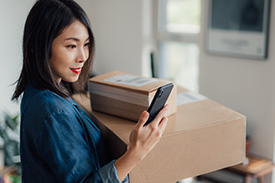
[(203, 136), (126, 95)]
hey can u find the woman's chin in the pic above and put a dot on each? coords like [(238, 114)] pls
[(71, 80)]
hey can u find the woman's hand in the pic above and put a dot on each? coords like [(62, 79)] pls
[(142, 140)]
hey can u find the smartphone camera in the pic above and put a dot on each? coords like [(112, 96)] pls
[(160, 93)]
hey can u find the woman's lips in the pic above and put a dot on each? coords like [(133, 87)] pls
[(76, 70)]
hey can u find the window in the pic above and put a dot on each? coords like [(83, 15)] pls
[(178, 41)]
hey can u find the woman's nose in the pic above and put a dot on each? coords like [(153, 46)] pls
[(82, 55)]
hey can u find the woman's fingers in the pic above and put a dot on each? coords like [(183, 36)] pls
[(160, 115), (143, 118), (163, 124)]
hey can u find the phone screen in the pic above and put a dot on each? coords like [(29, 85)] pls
[(159, 101)]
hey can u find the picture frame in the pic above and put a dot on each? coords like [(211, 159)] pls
[(238, 28)]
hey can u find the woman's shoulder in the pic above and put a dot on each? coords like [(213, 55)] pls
[(44, 102)]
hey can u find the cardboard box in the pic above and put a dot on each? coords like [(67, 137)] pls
[(126, 95), (203, 136)]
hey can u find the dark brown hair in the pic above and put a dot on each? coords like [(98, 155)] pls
[(46, 20)]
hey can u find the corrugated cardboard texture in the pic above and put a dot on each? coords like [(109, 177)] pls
[(201, 137)]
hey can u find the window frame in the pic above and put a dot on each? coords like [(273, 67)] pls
[(163, 35)]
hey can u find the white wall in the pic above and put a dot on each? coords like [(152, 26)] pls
[(245, 85), (12, 17), (122, 32)]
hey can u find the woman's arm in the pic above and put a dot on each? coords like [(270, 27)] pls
[(142, 140)]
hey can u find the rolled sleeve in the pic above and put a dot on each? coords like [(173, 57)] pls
[(108, 174)]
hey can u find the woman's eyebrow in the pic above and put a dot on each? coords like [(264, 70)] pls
[(75, 39)]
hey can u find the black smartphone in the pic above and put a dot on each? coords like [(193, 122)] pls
[(159, 101)]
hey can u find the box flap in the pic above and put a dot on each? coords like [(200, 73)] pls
[(153, 84)]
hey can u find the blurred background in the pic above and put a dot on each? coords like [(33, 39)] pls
[(173, 36)]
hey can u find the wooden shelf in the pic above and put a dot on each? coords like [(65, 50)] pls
[(256, 168)]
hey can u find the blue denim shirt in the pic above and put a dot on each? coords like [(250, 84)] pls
[(59, 143)]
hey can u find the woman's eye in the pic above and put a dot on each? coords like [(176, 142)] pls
[(87, 44), (71, 46)]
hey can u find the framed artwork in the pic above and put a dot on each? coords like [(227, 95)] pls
[(238, 28)]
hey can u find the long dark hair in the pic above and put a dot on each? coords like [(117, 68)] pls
[(46, 20)]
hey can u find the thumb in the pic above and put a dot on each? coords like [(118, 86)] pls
[(143, 118)]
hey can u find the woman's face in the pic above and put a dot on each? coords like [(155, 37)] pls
[(70, 50)]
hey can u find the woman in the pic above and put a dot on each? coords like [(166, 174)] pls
[(59, 143)]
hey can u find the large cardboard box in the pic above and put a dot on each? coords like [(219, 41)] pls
[(126, 95), (203, 136)]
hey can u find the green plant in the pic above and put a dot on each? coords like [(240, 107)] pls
[(11, 174), (14, 178), (9, 133)]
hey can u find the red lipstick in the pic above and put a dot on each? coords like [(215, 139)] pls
[(76, 70)]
